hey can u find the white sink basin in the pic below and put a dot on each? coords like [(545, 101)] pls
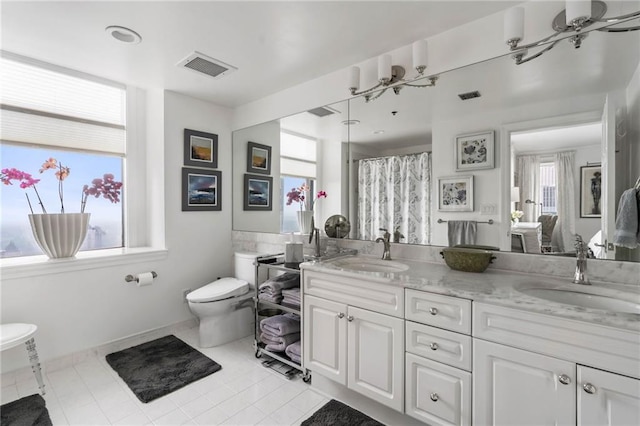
[(587, 298), (369, 264)]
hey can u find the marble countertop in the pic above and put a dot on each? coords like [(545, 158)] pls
[(498, 288)]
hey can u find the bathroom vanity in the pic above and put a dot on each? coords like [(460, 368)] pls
[(453, 348)]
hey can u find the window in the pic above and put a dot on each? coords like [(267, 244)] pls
[(50, 112), (548, 188), (297, 167)]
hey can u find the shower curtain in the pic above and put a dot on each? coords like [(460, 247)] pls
[(395, 193)]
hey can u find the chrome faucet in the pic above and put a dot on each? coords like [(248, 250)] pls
[(315, 232), (580, 276), (386, 252)]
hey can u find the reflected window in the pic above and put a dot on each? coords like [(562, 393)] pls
[(548, 188)]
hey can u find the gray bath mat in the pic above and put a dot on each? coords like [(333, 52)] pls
[(335, 413), (27, 411), (159, 367)]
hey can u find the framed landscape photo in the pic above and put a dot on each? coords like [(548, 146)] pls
[(474, 151), (201, 190), (200, 149), (258, 158), (258, 192), (590, 191), (455, 194)]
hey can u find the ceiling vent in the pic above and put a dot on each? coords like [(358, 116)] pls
[(469, 95), (322, 111), (206, 65)]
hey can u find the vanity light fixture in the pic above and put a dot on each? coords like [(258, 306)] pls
[(392, 76), (578, 15), (123, 34)]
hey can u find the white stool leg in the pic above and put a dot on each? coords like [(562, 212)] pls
[(35, 362)]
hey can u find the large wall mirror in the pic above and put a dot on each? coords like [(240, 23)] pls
[(551, 105)]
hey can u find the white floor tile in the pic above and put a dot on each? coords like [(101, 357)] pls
[(175, 417), (158, 407), (89, 414), (184, 395), (234, 405), (9, 393), (214, 416), (248, 416), (197, 406), (138, 418), (307, 400), (120, 410), (286, 414)]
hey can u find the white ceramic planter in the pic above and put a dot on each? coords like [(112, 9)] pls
[(60, 235), (304, 221)]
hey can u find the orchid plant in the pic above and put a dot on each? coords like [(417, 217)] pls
[(298, 195), (106, 186), (516, 215)]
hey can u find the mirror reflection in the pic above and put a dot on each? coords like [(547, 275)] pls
[(570, 98)]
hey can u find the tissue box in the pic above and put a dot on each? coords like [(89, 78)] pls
[(293, 255)]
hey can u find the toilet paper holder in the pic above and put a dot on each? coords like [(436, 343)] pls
[(130, 278)]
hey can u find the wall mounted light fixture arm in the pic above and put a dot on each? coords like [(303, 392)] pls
[(577, 16)]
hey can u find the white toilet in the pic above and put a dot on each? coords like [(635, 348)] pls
[(225, 306)]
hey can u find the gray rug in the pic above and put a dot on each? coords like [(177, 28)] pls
[(335, 413), (159, 367), (27, 411)]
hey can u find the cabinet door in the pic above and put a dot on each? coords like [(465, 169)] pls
[(515, 387), (376, 356), (325, 338), (607, 399)]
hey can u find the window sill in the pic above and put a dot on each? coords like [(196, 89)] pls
[(31, 266)]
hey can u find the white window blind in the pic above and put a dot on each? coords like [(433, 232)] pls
[(297, 155), (46, 106)]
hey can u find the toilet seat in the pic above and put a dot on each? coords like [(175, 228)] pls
[(223, 288)]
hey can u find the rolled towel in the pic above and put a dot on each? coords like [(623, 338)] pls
[(278, 343), (292, 293), (281, 282), (293, 351), (281, 325), (270, 298)]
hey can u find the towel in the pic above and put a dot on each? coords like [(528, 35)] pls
[(462, 232), (278, 343), (627, 233), (281, 325), (270, 298), (293, 351), (275, 285), (291, 297)]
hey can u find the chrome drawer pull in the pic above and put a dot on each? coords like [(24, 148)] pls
[(589, 388), (340, 315), (564, 379), (434, 396), (433, 311), (349, 318), (434, 346)]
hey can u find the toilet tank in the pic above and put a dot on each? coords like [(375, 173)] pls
[(244, 267)]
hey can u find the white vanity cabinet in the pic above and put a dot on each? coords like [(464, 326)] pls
[(359, 344), (438, 358), (532, 371)]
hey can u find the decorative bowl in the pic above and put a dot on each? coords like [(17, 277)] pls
[(466, 259)]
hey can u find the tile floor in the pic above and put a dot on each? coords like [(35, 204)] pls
[(242, 393)]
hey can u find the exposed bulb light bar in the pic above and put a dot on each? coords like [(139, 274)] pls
[(392, 76), (579, 14)]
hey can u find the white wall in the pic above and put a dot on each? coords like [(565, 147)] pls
[(251, 220), (83, 309)]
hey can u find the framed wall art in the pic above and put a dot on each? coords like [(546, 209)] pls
[(474, 151), (200, 149), (590, 191), (455, 194), (201, 190), (258, 192), (258, 158)]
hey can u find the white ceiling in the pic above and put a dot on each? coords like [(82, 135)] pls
[(548, 140), (274, 45)]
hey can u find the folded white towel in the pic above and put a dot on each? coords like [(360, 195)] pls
[(627, 233), (281, 325), (293, 351), (277, 284)]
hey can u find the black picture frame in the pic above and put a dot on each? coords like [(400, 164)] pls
[(258, 158), (591, 191), (258, 192), (201, 190), (200, 149)]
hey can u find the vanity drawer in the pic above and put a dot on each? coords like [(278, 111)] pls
[(378, 297), (446, 312), (439, 345), (436, 393)]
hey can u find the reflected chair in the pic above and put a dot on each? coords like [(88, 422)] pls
[(548, 222)]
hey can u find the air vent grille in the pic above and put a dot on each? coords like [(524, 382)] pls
[(469, 95), (206, 65), (321, 111)]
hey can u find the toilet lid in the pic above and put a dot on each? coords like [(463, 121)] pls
[(218, 290)]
